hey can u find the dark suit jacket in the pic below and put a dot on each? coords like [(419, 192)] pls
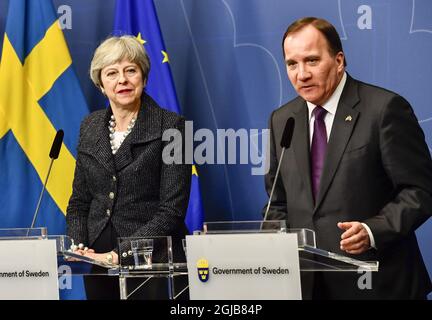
[(378, 170), (150, 197)]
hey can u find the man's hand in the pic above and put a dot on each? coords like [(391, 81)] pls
[(355, 239)]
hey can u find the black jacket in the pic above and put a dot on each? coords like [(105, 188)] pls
[(135, 189), (377, 170)]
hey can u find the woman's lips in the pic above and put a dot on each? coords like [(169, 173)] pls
[(123, 91)]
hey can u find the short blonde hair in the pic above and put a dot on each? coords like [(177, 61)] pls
[(115, 49)]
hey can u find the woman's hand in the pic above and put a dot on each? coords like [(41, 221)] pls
[(78, 249), (108, 257)]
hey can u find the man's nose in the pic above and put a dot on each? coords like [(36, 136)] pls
[(304, 73)]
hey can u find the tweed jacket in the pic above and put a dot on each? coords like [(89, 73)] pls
[(134, 189)]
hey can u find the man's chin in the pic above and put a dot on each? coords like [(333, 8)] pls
[(310, 98)]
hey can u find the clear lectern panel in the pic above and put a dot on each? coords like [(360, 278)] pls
[(311, 257), (23, 233), (152, 268)]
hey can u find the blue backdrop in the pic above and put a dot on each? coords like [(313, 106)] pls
[(227, 65)]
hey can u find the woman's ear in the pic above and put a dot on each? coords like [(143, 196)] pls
[(102, 89)]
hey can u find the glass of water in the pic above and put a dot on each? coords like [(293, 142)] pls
[(142, 248)]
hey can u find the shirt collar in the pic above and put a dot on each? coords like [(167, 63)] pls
[(332, 103)]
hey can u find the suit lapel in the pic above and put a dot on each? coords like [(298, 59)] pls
[(343, 126), (300, 144), (101, 149), (147, 128)]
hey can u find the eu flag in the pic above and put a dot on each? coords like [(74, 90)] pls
[(39, 94), (139, 18)]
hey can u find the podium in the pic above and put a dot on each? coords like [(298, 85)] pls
[(258, 260), (226, 260), (28, 267)]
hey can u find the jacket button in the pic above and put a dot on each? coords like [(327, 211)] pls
[(111, 195), (108, 212), (114, 178)]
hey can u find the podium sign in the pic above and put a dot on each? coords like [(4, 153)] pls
[(28, 270), (243, 266)]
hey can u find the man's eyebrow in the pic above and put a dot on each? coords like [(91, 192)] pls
[(312, 57)]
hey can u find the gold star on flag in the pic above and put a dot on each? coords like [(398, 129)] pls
[(165, 55), (140, 39), (194, 170)]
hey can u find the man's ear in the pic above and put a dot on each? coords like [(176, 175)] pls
[(340, 60)]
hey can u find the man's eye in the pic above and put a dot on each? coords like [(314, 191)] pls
[(291, 65)]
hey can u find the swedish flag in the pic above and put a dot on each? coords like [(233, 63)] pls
[(139, 18), (39, 94)]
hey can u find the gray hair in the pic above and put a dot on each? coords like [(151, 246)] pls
[(115, 49)]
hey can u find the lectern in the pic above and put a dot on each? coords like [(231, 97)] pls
[(28, 265), (258, 260), (226, 260)]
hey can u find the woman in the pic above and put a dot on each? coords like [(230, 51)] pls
[(122, 187)]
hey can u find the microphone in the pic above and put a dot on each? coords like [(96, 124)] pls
[(288, 133), (54, 153), (285, 144), (56, 146)]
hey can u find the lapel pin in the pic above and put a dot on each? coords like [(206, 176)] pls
[(348, 118)]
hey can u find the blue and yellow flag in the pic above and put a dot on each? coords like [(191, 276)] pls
[(39, 95), (139, 18)]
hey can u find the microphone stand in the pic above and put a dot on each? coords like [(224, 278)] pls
[(54, 153), (285, 143), (274, 184), (40, 196)]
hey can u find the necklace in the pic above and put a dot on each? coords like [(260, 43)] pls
[(115, 140)]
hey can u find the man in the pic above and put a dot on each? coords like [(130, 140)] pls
[(358, 171)]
